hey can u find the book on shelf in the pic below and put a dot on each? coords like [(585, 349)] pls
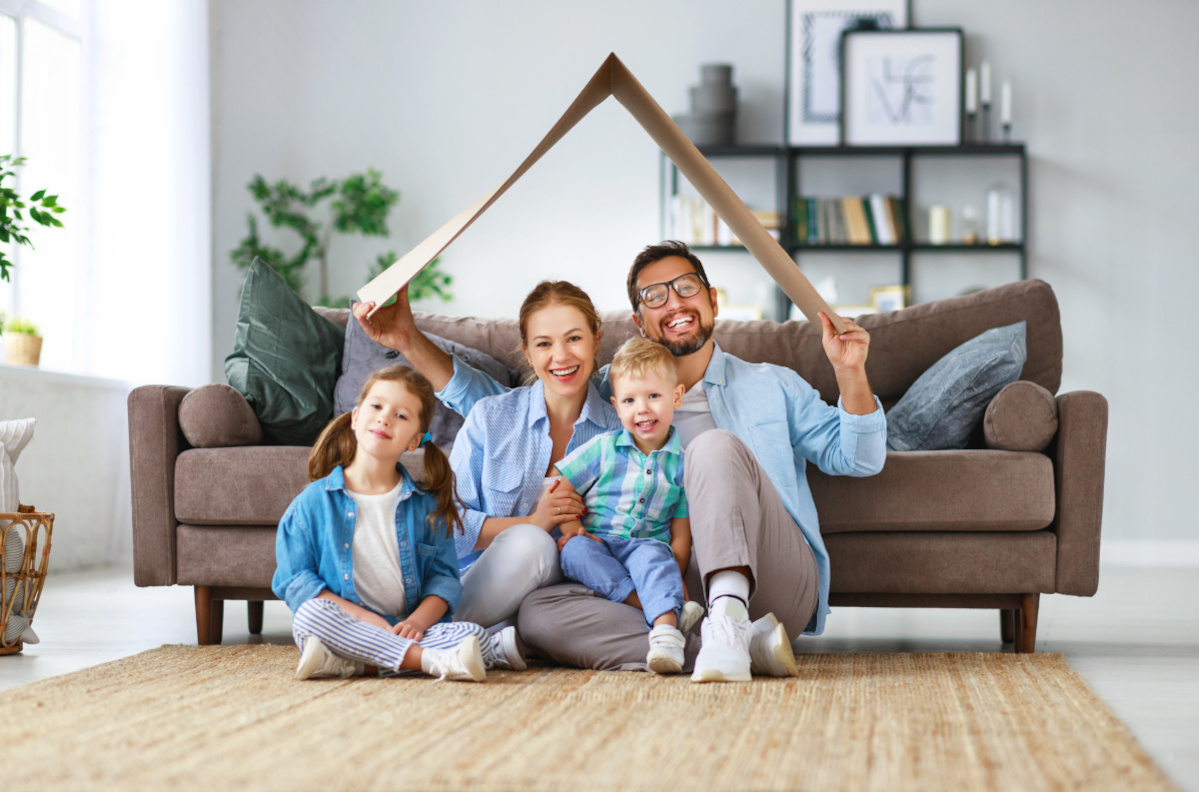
[(693, 221), (875, 219)]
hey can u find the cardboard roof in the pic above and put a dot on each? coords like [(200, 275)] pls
[(614, 79)]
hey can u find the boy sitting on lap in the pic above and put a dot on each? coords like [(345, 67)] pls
[(635, 538)]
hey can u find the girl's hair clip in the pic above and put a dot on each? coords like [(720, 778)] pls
[(428, 438)]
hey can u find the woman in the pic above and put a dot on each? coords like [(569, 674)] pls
[(511, 441)]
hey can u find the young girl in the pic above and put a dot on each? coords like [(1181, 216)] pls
[(366, 559)]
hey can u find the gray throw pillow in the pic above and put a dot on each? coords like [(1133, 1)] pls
[(362, 357), (285, 358), (945, 405)]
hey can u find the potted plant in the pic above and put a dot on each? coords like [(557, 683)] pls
[(22, 344), (41, 208)]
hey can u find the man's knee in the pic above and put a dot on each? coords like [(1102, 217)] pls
[(539, 617), (714, 447)]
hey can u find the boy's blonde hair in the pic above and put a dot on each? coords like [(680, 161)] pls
[(639, 355)]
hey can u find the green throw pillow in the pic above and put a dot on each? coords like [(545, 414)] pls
[(286, 358)]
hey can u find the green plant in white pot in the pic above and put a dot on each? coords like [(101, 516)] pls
[(22, 342)]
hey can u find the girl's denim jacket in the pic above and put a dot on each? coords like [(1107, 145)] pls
[(313, 549)]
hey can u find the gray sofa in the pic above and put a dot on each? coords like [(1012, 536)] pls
[(970, 528)]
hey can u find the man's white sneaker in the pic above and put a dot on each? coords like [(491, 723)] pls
[(770, 650), (691, 613), (724, 656), (665, 650), (317, 662), (508, 650), (464, 663)]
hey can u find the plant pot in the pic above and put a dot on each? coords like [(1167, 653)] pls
[(22, 349)]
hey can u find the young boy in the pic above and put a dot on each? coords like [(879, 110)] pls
[(635, 538)]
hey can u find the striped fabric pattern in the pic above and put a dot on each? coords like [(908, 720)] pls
[(365, 643), (628, 494)]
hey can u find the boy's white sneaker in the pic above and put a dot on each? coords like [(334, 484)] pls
[(508, 650), (665, 650), (770, 650), (724, 656), (690, 613), (317, 662), (463, 663)]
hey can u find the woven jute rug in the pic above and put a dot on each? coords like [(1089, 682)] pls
[(217, 718)]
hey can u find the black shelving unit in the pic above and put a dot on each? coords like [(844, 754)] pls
[(789, 170)]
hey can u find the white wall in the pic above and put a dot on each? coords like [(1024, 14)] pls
[(447, 98)]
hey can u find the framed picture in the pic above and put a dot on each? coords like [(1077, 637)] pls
[(901, 87), (888, 298), (814, 28)]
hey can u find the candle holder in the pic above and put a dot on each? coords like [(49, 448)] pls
[(971, 132), (986, 136), (1007, 133)]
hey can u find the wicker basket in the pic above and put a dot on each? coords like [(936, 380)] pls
[(34, 528)]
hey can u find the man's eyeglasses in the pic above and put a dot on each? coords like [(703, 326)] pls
[(656, 294)]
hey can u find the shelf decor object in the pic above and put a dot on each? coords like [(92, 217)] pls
[(901, 87), (713, 117), (814, 28)]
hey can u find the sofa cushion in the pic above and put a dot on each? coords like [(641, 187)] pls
[(249, 485), (967, 490), (362, 356), (228, 556), (946, 403), (285, 358), (1021, 417), (216, 415)]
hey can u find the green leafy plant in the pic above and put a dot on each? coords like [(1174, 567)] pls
[(18, 325), (41, 209), (357, 204)]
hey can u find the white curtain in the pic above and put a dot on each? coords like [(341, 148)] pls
[(149, 311)]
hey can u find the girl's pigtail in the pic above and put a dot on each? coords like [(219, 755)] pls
[(336, 446), (440, 481)]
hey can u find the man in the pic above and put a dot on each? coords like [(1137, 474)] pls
[(749, 430)]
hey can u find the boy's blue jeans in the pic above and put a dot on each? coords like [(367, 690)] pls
[(615, 568)]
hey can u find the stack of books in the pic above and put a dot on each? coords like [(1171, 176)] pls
[(875, 219), (693, 221)]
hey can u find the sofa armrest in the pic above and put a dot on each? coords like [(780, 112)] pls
[(1079, 463), (154, 443)]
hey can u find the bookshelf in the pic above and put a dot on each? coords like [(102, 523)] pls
[(791, 162)]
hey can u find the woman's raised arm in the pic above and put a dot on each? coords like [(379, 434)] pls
[(395, 327)]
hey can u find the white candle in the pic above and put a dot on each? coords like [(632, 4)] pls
[(939, 225), (971, 91), (1005, 103), (986, 83)]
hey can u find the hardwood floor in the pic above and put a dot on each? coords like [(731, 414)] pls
[(1136, 642)]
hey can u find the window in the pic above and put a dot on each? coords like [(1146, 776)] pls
[(41, 119)]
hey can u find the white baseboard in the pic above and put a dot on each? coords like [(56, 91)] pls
[(1149, 553)]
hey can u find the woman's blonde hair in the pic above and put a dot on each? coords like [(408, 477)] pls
[(337, 445), (549, 293)]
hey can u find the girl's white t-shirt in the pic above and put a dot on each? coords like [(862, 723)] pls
[(376, 553)]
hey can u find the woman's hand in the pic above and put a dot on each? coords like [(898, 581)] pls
[(392, 326), (412, 627), (560, 504)]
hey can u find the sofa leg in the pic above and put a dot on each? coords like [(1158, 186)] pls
[(255, 608), (1007, 625), (210, 617), (1026, 623)]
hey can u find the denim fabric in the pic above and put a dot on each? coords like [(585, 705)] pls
[(615, 568), (780, 417), (947, 402), (503, 451), (313, 548)]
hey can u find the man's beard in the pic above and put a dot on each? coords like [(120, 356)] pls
[(681, 347)]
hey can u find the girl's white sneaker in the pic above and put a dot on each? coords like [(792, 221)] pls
[(317, 662), (463, 663), (508, 650), (665, 650)]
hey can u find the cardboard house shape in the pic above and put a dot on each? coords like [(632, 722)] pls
[(614, 79)]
